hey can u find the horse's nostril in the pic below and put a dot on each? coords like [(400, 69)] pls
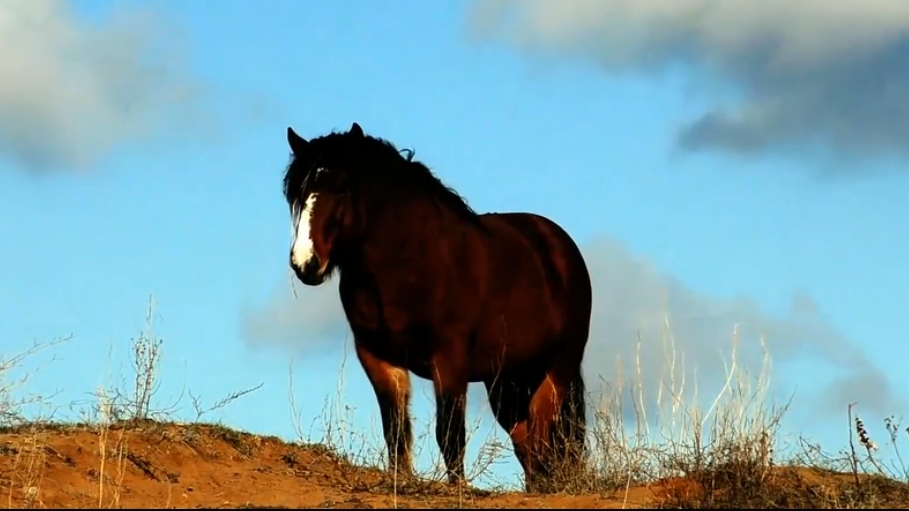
[(312, 266)]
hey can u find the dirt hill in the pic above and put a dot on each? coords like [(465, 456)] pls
[(161, 465)]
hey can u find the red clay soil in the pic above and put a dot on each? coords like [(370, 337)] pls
[(156, 465)]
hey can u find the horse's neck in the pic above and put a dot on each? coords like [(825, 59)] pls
[(409, 231)]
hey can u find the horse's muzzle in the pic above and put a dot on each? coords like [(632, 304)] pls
[(311, 272)]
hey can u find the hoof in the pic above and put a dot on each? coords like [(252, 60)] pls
[(456, 480), (538, 485), (402, 476)]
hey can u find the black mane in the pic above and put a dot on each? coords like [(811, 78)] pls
[(374, 164)]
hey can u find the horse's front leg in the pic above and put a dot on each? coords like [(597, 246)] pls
[(450, 384), (392, 387)]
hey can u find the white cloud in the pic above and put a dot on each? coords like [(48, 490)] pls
[(825, 74), (299, 318), (71, 91)]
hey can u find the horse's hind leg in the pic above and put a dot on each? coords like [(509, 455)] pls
[(556, 442), (392, 387), (510, 402)]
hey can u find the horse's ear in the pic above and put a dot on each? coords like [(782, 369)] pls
[(356, 130), (297, 143)]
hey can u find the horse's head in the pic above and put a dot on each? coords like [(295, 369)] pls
[(337, 182), (316, 187)]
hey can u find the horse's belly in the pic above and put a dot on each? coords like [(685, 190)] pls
[(421, 369), (513, 343)]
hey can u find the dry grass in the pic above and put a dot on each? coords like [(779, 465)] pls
[(660, 448)]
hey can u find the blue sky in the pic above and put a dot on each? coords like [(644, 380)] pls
[(123, 176)]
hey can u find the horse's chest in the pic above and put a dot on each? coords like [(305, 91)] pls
[(389, 304), (390, 316), (388, 329), (363, 310)]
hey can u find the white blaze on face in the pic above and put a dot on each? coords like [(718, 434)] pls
[(302, 249)]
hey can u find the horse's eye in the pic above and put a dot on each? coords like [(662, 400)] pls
[(337, 186), (335, 183)]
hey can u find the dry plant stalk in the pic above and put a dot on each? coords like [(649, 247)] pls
[(105, 409), (146, 359)]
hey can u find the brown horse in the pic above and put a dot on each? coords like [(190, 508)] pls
[(430, 287)]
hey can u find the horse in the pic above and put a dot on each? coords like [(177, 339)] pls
[(430, 287)]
